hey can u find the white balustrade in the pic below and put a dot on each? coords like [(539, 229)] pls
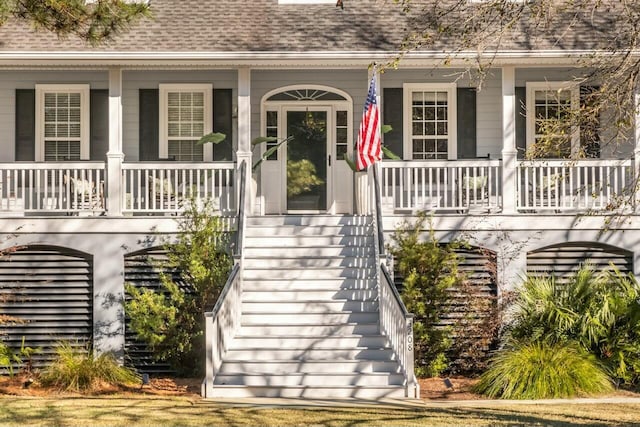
[(65, 187), (459, 185), (167, 186), (584, 185), (396, 324)]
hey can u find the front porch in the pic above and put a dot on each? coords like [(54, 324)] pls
[(468, 187)]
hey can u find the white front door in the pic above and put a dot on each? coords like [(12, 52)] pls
[(308, 175)]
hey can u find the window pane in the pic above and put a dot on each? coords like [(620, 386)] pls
[(341, 118), (272, 118), (185, 150)]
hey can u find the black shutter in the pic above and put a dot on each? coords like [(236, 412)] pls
[(392, 116), (590, 124), (25, 139), (223, 123), (466, 109), (99, 124), (521, 121), (149, 117)]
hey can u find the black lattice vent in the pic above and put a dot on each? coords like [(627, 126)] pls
[(49, 290), (142, 270), (565, 259), (471, 309)]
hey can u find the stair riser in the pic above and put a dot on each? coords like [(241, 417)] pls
[(308, 307), (309, 251), (294, 379), (240, 343), (308, 262), (309, 273), (369, 393), (307, 318), (334, 284), (306, 230), (301, 296), (332, 367), (268, 355), (297, 241), (308, 220), (311, 330)]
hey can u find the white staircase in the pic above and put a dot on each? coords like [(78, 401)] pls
[(310, 320)]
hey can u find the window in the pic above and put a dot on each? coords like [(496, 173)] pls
[(549, 108), (185, 116), (62, 122), (430, 121)]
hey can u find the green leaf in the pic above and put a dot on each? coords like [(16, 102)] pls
[(390, 154), (214, 138), (262, 139), (351, 164), (385, 129)]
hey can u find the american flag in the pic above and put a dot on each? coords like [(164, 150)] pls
[(369, 144)]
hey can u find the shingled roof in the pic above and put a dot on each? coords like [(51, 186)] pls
[(265, 26)]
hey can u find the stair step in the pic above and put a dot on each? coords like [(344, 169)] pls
[(309, 295), (307, 262), (297, 241), (283, 307), (282, 367), (295, 342), (305, 379), (306, 318), (315, 392), (311, 330), (294, 284), (314, 220), (308, 230), (310, 251), (308, 354), (309, 273)]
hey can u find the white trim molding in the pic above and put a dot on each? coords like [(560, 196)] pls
[(207, 91), (532, 88), (452, 119), (83, 91)]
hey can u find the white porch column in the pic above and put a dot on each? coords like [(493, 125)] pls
[(244, 134), (636, 151), (115, 156), (509, 152)]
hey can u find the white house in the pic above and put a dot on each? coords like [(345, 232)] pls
[(99, 148)]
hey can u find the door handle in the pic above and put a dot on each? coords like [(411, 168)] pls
[(329, 159)]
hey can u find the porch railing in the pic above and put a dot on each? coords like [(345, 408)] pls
[(69, 187), (166, 186), (458, 185), (221, 325), (586, 184)]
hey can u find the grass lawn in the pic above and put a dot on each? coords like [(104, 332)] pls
[(181, 411)]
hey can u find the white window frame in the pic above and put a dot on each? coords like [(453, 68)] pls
[(532, 87), (165, 88), (83, 90), (451, 89)]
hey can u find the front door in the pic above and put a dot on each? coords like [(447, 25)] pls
[(307, 159)]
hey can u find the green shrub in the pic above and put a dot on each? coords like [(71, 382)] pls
[(171, 320), (429, 270), (599, 311), (543, 371), (79, 369)]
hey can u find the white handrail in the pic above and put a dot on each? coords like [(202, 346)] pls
[(585, 184), (458, 185), (69, 187), (221, 325), (166, 186), (396, 323)]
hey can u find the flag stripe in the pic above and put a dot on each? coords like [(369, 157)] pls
[(369, 148)]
